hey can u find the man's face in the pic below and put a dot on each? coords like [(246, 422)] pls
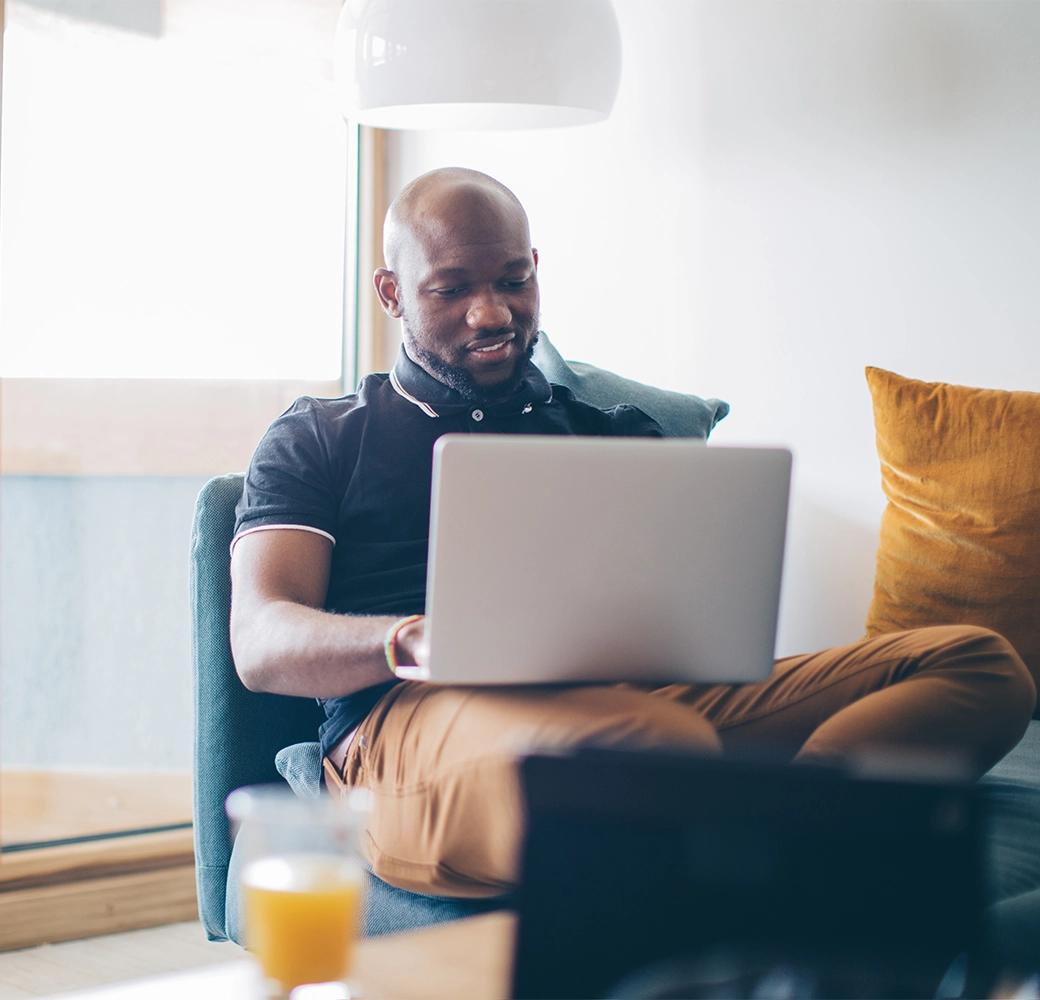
[(467, 292)]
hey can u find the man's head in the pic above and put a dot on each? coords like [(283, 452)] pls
[(461, 275)]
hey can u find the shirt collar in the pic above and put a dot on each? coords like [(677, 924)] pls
[(436, 399)]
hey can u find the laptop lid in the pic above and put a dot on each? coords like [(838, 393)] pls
[(556, 559)]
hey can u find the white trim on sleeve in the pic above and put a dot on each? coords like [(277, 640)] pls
[(279, 527)]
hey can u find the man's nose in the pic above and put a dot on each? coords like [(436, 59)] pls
[(488, 312)]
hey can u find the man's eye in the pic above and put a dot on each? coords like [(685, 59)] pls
[(448, 292), (520, 283)]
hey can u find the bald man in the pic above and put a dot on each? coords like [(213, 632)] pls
[(329, 574)]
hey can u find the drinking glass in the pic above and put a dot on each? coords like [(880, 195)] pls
[(301, 882)]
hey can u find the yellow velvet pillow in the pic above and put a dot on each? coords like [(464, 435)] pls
[(960, 536)]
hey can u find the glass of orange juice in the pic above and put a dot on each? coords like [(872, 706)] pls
[(302, 883)]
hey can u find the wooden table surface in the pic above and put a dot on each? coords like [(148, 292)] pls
[(463, 960)]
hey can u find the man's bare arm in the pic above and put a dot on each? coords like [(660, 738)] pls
[(282, 640)]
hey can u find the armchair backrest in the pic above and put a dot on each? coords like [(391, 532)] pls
[(237, 732)]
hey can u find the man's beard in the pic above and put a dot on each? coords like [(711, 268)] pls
[(459, 379)]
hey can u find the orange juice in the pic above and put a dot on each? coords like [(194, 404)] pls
[(301, 916)]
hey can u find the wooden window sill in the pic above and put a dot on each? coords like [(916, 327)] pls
[(157, 427), (100, 887)]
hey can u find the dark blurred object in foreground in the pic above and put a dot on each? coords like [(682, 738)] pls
[(652, 874)]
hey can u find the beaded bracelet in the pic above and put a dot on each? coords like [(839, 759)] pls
[(390, 642)]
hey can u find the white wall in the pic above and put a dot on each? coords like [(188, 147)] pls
[(785, 193)]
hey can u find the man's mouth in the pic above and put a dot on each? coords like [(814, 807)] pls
[(492, 346)]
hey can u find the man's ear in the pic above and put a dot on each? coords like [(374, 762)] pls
[(534, 253), (386, 288)]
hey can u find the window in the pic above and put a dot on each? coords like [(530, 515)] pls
[(175, 190)]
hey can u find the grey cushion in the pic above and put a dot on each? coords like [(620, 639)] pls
[(300, 765), (678, 414)]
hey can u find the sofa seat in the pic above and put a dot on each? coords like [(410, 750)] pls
[(1013, 852)]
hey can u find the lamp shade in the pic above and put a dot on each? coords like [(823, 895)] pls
[(477, 64)]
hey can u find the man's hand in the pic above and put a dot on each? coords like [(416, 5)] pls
[(412, 645), (282, 639)]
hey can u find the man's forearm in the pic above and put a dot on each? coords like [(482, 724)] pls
[(282, 639), (288, 648)]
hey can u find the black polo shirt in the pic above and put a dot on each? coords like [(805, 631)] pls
[(358, 470)]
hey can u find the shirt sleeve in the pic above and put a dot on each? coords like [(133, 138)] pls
[(289, 481)]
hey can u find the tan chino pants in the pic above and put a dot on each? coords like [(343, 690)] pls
[(441, 761)]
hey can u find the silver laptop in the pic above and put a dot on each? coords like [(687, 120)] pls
[(557, 559)]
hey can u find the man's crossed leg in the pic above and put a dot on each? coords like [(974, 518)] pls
[(441, 761)]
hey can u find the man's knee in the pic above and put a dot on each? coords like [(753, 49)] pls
[(995, 664), (1021, 682)]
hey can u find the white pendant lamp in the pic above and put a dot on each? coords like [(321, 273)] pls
[(477, 64)]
